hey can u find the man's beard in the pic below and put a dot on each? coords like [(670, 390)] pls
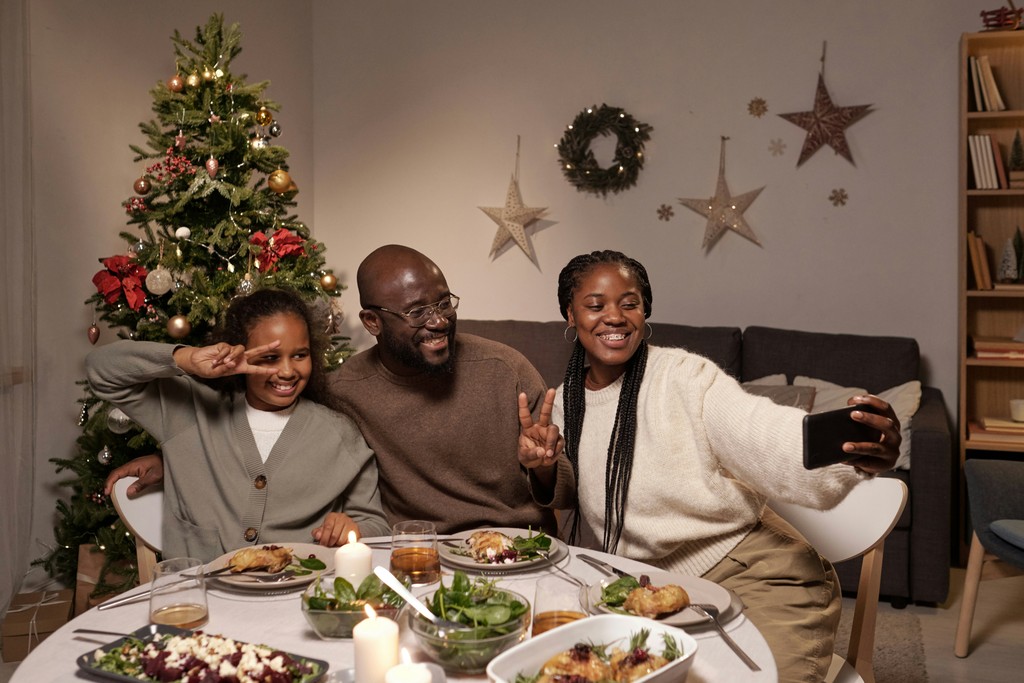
[(408, 354)]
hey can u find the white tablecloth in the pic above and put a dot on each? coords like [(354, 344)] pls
[(278, 621)]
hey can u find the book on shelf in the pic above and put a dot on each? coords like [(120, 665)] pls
[(977, 163), (975, 78), (1001, 181), (985, 102), (988, 164), (999, 355), (989, 82), (986, 274), (1002, 424), (984, 343), (978, 433), (972, 249), (1009, 286)]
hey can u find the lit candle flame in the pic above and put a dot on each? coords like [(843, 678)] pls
[(370, 614), (352, 537)]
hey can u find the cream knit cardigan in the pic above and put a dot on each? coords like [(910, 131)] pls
[(708, 456)]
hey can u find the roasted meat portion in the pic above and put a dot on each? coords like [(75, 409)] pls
[(649, 601), (581, 662), (270, 558), (489, 546)]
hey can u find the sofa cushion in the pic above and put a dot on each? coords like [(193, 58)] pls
[(722, 345), (875, 363), (544, 345), (541, 342)]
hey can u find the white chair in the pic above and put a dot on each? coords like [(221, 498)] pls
[(143, 515), (858, 526)]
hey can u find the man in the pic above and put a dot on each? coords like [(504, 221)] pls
[(437, 407)]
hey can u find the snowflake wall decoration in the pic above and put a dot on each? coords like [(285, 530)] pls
[(838, 197), (757, 107), (665, 212), (777, 147)]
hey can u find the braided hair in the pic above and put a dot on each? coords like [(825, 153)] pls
[(619, 463), (242, 315)]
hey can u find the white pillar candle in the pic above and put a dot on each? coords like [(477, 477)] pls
[(408, 673), (376, 644), (352, 561)]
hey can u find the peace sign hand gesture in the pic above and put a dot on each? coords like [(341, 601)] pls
[(222, 359), (539, 443)]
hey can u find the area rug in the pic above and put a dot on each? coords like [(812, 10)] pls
[(899, 647)]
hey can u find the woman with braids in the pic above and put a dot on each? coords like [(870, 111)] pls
[(673, 463), (251, 453)]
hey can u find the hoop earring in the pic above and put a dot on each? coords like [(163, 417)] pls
[(575, 335), (650, 331)]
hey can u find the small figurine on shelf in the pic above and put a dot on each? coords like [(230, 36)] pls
[(1002, 19)]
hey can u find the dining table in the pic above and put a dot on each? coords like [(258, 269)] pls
[(277, 620)]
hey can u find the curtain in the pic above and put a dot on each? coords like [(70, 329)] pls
[(17, 302)]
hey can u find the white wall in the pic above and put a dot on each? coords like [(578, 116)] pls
[(418, 106), (402, 118)]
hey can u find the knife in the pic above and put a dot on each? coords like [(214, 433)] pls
[(139, 597), (600, 565)]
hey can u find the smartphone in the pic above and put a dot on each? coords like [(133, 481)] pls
[(825, 433)]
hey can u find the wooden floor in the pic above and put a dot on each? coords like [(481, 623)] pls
[(997, 652)]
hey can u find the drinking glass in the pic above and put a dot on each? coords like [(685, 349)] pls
[(178, 597), (414, 553), (557, 601)]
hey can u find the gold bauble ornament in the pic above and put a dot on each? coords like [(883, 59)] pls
[(192, 80), (179, 327), (329, 282), (175, 83), (143, 186), (280, 182), (263, 116), (208, 75)]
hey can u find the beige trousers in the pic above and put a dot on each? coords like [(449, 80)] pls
[(791, 594)]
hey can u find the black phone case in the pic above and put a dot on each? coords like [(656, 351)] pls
[(825, 434)]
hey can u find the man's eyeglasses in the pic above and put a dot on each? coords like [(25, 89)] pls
[(421, 315)]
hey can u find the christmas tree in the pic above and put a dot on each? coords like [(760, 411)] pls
[(212, 221)]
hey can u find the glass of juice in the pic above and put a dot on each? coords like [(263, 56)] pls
[(414, 552), (178, 597), (556, 602)]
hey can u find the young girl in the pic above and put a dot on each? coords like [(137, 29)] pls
[(245, 460)]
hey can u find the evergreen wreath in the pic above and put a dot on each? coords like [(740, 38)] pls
[(577, 159)]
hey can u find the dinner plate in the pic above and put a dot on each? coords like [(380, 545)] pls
[(452, 559), (246, 580), (700, 591), (88, 661)]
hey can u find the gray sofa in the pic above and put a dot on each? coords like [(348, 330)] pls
[(917, 553)]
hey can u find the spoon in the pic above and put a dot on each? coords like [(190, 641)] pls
[(394, 584)]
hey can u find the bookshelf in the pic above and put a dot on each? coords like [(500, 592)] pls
[(986, 385)]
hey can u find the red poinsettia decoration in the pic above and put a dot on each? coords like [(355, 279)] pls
[(122, 274), (274, 248)]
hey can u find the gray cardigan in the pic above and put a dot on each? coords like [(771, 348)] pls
[(219, 495)]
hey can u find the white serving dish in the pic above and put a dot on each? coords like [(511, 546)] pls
[(528, 657)]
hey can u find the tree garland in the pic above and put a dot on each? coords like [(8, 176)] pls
[(577, 159)]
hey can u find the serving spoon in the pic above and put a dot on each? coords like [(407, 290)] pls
[(392, 582)]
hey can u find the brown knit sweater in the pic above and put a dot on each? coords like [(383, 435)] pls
[(447, 445)]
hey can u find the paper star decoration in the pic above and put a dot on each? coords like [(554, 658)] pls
[(512, 220), (724, 211), (826, 124)]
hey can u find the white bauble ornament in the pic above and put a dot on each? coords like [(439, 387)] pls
[(118, 422), (159, 281), (105, 456), (183, 233)]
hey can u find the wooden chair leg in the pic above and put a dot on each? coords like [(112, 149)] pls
[(972, 579), (865, 613)]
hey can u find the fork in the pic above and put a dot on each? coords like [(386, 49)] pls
[(710, 612)]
